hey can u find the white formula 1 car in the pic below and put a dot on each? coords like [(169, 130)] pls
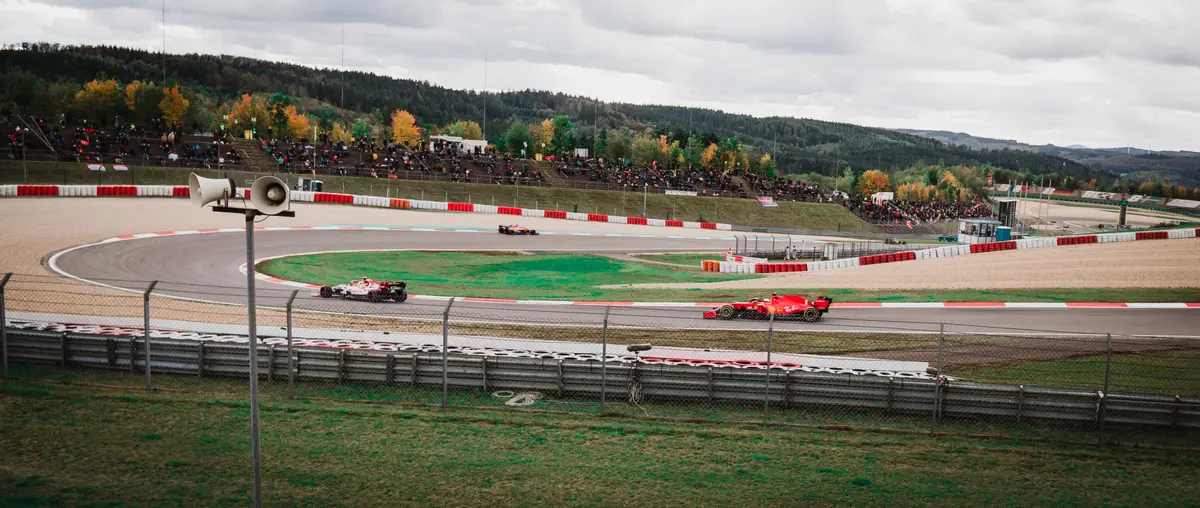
[(366, 289)]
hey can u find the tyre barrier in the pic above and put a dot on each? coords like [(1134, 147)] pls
[(1151, 235), (555, 214), (37, 190), (674, 223), (59, 329), (977, 248), (460, 207), (887, 258), (779, 267), (596, 217), (1077, 240), (332, 198)]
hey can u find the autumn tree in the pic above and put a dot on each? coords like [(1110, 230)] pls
[(247, 113), (463, 129), (404, 128), (141, 99), (545, 137), (338, 133), (173, 106), (298, 125), (708, 156), (99, 100), (1148, 188), (766, 166), (873, 181), (1180, 191)]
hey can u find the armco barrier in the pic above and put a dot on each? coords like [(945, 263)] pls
[(707, 383)]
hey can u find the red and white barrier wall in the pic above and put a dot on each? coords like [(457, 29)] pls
[(743, 264), (347, 199)]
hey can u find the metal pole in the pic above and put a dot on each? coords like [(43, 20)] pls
[(3, 329), (645, 188), (767, 390), (937, 386), (146, 327), (1104, 394), (253, 329), (291, 354), (604, 358), (24, 148), (445, 352)]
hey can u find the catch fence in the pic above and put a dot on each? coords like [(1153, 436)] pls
[(639, 362)]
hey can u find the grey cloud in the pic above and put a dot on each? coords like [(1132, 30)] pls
[(791, 27), (1062, 71)]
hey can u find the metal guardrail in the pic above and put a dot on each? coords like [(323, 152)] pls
[(586, 379)]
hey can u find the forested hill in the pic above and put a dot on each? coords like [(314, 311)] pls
[(803, 145)]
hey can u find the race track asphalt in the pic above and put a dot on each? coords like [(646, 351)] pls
[(206, 267)]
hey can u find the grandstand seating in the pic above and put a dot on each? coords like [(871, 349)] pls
[(154, 145)]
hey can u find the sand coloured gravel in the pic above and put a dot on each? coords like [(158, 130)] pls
[(1146, 264)]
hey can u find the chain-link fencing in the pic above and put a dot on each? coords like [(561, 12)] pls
[(656, 362)]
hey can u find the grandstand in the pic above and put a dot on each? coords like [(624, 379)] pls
[(157, 145)]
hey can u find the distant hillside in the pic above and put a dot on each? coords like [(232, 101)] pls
[(798, 145), (1180, 167)]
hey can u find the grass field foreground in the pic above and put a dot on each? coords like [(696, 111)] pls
[(579, 277), (73, 445)]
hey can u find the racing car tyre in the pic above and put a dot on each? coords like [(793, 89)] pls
[(374, 297), (326, 292), (811, 314), (401, 296), (726, 312)]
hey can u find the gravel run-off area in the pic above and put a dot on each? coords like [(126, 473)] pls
[(1145, 264)]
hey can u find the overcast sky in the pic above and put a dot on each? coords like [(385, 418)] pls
[(1092, 72)]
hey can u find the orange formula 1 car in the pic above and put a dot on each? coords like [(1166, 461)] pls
[(781, 306), (513, 229)]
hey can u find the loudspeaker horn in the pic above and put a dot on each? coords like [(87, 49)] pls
[(206, 190), (270, 195)]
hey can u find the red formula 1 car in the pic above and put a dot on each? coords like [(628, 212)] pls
[(513, 229), (366, 289), (781, 306)]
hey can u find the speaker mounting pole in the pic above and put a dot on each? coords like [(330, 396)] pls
[(269, 197)]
